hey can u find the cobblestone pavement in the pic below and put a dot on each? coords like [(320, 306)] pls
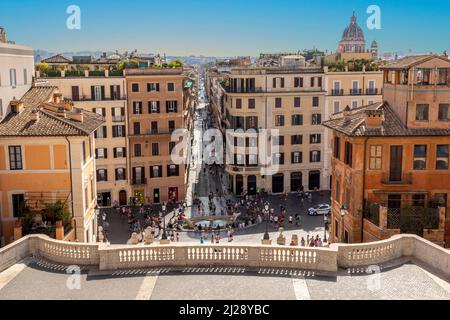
[(407, 281)]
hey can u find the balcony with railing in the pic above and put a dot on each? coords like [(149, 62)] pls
[(118, 118), (337, 92), (397, 179), (356, 92), (373, 91), (229, 89), (139, 181), (381, 221)]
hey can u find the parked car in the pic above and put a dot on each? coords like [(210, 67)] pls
[(320, 209)]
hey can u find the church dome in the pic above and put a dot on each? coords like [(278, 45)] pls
[(353, 31)]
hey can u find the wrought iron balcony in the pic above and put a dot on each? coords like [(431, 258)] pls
[(372, 91), (118, 118), (337, 92), (355, 92), (139, 181)]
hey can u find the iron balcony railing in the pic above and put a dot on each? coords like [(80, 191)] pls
[(355, 92), (337, 92), (242, 90), (139, 181), (118, 118), (372, 91)]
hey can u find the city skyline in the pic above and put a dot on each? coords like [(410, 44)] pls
[(222, 29)]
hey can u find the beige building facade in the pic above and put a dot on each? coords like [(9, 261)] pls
[(156, 103), (289, 104), (348, 88), (47, 155), (106, 96)]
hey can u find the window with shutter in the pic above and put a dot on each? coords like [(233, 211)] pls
[(278, 102), (155, 149), (348, 159), (315, 101), (137, 128), (337, 148)]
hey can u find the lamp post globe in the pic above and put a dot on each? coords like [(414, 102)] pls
[(163, 207), (266, 214)]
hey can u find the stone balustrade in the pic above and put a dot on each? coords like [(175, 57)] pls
[(179, 255), (226, 255)]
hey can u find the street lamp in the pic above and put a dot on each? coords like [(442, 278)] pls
[(325, 219), (266, 213), (97, 214), (163, 207), (343, 211)]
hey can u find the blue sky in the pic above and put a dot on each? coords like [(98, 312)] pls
[(223, 27)]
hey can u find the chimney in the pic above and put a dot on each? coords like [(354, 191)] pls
[(68, 105), (3, 35), (34, 116), (16, 106), (347, 113), (76, 116), (57, 97), (374, 118)]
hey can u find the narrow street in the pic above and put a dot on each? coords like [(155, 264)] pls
[(203, 180)]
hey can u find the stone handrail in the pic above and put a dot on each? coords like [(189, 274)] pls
[(226, 255), (179, 255), (365, 254)]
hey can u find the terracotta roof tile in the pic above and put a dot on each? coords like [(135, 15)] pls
[(354, 124), (57, 59), (408, 62), (49, 123)]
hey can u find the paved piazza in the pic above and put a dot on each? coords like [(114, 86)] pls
[(35, 279)]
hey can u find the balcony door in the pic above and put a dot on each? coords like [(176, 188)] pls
[(395, 171)]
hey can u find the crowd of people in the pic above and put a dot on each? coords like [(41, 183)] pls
[(311, 241)]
